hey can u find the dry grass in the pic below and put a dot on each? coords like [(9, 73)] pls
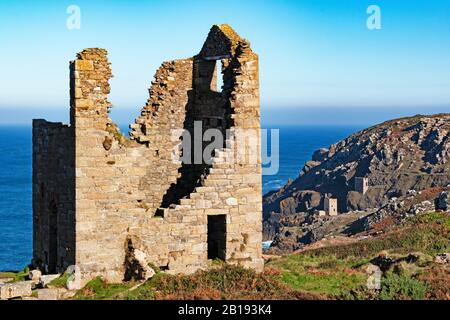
[(438, 282), (225, 282)]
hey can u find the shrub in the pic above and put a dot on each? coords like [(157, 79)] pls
[(430, 239), (433, 217), (98, 289), (61, 281), (438, 283), (401, 287), (325, 275), (16, 276), (227, 282)]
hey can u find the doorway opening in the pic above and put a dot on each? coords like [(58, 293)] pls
[(217, 236), (53, 238)]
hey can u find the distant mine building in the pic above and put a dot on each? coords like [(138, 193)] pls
[(330, 206), (361, 184)]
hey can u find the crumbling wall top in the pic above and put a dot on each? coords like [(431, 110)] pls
[(92, 54), (221, 42), (89, 85)]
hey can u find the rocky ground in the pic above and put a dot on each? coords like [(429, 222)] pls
[(297, 231), (33, 285)]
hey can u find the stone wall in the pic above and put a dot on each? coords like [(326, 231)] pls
[(53, 195), (130, 194)]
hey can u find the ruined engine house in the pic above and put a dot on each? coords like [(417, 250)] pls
[(99, 197)]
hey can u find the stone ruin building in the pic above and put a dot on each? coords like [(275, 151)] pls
[(112, 204), (361, 184), (330, 206)]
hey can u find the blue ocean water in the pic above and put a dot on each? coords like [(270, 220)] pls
[(15, 197), (296, 147)]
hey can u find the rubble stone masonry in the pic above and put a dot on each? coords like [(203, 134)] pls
[(99, 197)]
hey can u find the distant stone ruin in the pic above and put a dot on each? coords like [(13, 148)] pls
[(361, 184), (330, 206), (113, 205)]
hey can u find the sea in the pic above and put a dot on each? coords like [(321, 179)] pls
[(296, 145)]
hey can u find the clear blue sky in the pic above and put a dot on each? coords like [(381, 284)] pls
[(317, 57)]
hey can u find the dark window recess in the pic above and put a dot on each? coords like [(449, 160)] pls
[(159, 212), (217, 237)]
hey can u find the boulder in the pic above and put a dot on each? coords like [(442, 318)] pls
[(46, 279), (66, 294), (424, 206), (443, 201), (35, 275), (48, 294), (320, 155), (137, 265), (74, 279), (308, 166), (15, 290), (141, 257), (442, 258), (313, 235)]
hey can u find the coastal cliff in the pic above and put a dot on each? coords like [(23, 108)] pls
[(396, 158)]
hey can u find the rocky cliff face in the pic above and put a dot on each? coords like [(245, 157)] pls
[(396, 156)]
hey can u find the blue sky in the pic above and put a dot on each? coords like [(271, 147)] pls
[(319, 63)]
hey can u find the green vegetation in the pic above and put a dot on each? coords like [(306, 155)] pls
[(434, 217), (227, 282), (339, 271), (97, 289), (4, 275), (437, 281), (428, 233), (320, 274), (60, 282), (16, 276), (401, 287)]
